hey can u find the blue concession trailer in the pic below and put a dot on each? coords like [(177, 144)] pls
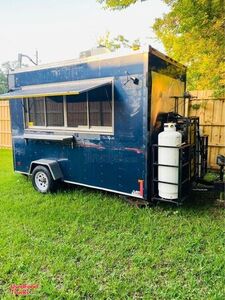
[(93, 121)]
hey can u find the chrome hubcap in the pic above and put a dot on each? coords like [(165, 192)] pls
[(41, 181)]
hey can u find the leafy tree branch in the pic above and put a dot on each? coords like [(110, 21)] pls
[(192, 33), (114, 43)]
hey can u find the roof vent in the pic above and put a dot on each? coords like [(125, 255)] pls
[(94, 51)]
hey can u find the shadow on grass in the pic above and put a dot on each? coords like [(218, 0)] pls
[(196, 202)]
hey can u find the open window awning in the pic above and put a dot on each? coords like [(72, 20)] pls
[(57, 89)]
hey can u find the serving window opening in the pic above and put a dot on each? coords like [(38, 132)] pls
[(87, 111)]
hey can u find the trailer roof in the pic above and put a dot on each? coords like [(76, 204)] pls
[(98, 58), (57, 89)]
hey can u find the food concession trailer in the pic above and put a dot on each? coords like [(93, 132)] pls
[(96, 122)]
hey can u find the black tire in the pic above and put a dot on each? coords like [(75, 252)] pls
[(42, 180)]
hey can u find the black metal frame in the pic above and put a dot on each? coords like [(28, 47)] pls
[(184, 178), (203, 164), (192, 156), (191, 135)]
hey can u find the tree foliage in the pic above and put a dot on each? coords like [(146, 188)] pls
[(114, 43), (193, 33), (11, 66), (117, 4), (3, 82), (5, 68)]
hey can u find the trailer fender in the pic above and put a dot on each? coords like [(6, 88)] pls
[(52, 165)]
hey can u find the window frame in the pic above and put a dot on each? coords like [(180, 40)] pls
[(109, 130)]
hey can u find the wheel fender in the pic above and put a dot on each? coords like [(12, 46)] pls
[(52, 165)]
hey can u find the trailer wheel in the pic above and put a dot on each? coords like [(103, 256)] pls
[(42, 180)]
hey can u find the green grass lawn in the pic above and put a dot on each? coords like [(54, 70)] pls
[(83, 244)]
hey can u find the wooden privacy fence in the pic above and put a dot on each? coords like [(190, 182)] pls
[(211, 112), (5, 128)]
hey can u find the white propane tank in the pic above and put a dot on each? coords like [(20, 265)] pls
[(168, 156)]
